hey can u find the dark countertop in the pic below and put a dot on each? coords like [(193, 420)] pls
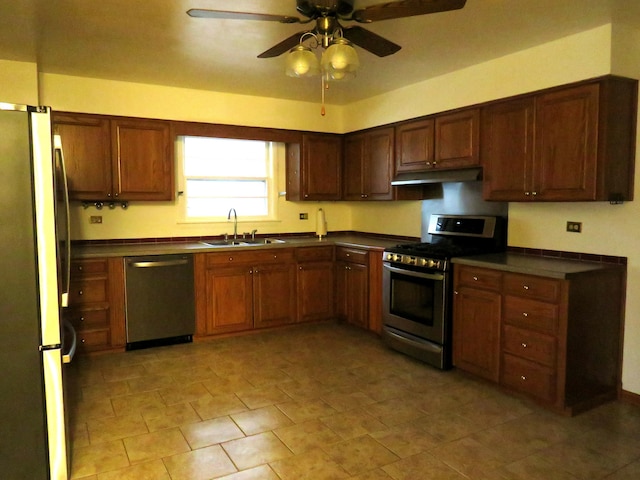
[(141, 249), (533, 264)]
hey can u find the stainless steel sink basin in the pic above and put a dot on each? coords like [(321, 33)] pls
[(240, 242)]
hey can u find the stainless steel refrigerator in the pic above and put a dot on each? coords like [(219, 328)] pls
[(34, 258)]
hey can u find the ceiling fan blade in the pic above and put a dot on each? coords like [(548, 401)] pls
[(225, 15), (405, 8), (282, 47), (370, 41)]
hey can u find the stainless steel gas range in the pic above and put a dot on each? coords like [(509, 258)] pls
[(417, 283)]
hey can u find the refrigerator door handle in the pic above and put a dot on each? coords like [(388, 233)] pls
[(67, 355), (57, 145)]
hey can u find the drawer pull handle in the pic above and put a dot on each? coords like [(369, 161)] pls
[(82, 319), (231, 259), (524, 345), (80, 292), (525, 314), (526, 287), (523, 378), (83, 340), (475, 278)]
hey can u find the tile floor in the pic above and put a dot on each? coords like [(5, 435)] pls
[(324, 402)]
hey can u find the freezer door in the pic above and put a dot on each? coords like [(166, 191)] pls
[(54, 403)]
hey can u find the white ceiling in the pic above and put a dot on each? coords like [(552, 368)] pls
[(156, 42)]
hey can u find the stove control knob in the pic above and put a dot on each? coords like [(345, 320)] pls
[(424, 262), (411, 260)]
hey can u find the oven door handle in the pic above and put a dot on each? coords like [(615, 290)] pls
[(411, 273)]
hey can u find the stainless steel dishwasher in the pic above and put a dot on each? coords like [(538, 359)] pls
[(160, 303)]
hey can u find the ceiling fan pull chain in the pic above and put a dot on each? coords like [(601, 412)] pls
[(322, 110)]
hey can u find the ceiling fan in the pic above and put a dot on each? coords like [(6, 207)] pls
[(328, 13)]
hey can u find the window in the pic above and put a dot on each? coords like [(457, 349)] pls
[(220, 174)]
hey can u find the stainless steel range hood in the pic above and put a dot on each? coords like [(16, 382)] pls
[(438, 176)]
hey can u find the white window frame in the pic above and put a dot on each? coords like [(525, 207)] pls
[(274, 149)]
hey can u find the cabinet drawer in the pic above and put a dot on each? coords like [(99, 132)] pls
[(528, 377), (479, 278), (88, 318), (88, 267), (531, 314), (314, 254), (530, 345), (252, 257), (352, 255), (94, 340), (528, 286), (88, 291)]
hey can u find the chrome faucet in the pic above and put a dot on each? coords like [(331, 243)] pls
[(235, 222)]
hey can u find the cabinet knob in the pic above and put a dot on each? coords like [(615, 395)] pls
[(348, 255), (525, 314), (80, 292), (275, 256), (115, 195), (250, 272), (475, 278), (455, 292), (533, 194), (434, 164), (524, 345), (231, 259), (523, 378), (526, 287), (82, 340), (79, 268), (300, 267), (527, 194), (82, 319)]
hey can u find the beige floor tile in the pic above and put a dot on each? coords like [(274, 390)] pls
[(394, 411), (467, 456), (218, 406), (196, 373), (114, 428), (137, 403), (310, 465), (532, 468), (93, 459), (172, 416), (149, 383), (181, 393), (154, 470), (377, 474), (629, 472), (447, 426), (263, 472), (422, 465), (347, 400), (261, 420), (261, 397), (300, 412), (266, 376), (123, 372), (405, 440), (353, 423), (580, 461), (256, 450), (358, 455), (92, 408), (307, 435), (304, 389), (211, 432), (217, 385), (106, 389), (150, 446), (202, 464)]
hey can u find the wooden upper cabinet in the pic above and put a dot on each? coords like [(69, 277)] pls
[(142, 159), (457, 139), (573, 143), (116, 158), (355, 152), (87, 150), (414, 146), (314, 169), (507, 149)]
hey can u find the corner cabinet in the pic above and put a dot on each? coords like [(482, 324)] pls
[(573, 143), (555, 340), (443, 142), (314, 168), (369, 167), (116, 158)]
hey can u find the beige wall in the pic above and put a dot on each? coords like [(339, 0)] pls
[(596, 52), (18, 82)]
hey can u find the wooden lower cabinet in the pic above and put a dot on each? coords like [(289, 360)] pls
[(352, 286), (241, 290), (556, 340), (96, 304), (315, 283)]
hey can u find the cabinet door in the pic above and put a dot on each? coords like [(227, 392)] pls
[(321, 167), (229, 299), (352, 293), (566, 144), (142, 160), (354, 161), (476, 330), (457, 139), (274, 297), (87, 151), (414, 146), (315, 291), (379, 165), (507, 150)]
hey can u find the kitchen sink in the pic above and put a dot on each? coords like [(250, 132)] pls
[(242, 242)]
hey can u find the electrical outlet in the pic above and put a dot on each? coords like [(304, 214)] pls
[(304, 216), (575, 227), (95, 219)]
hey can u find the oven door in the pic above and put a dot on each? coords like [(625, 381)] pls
[(414, 302)]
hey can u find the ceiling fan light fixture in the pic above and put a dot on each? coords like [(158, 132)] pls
[(340, 60), (302, 62)]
